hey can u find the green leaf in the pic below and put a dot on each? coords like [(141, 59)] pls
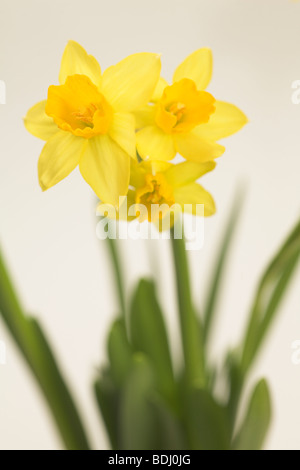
[(171, 431), (219, 268), (119, 352), (269, 294), (207, 421), (138, 424), (257, 420), (108, 403), (35, 349), (148, 335), (236, 382)]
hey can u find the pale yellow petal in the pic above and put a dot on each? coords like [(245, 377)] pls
[(126, 203), (226, 120), (138, 170), (137, 173), (190, 195), (159, 89), (153, 143), (197, 66), (60, 155), (122, 131), (158, 166), (106, 167), (187, 172), (129, 84), (196, 149), (120, 213), (76, 60), (145, 116), (38, 123)]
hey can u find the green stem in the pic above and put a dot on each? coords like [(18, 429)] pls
[(191, 329), (113, 250), (35, 349), (218, 273)]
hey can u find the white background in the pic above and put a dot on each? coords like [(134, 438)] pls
[(61, 269)]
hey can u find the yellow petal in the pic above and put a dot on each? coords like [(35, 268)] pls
[(145, 116), (105, 167), (75, 60), (59, 157), (153, 143), (159, 89), (193, 194), (187, 172), (197, 66), (226, 120), (38, 123), (122, 131), (194, 148), (129, 84)]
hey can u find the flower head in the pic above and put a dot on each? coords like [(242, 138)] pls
[(159, 190), (88, 120), (184, 118)]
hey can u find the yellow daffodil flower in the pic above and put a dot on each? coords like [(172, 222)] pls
[(87, 120), (184, 118), (158, 188)]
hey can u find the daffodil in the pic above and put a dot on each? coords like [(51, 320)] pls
[(159, 190), (88, 120), (183, 118)]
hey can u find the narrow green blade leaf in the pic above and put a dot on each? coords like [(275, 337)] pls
[(207, 422), (269, 294), (119, 352), (257, 420), (35, 349), (219, 268), (138, 424), (148, 335)]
